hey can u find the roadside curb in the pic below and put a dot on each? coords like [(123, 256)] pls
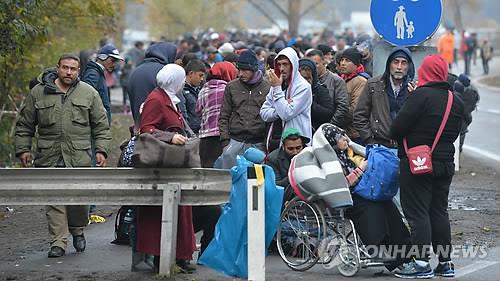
[(478, 82)]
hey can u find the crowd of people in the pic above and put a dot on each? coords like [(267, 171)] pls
[(236, 91)]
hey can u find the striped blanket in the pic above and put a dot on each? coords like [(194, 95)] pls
[(316, 173)]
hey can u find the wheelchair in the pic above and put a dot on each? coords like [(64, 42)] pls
[(310, 233)]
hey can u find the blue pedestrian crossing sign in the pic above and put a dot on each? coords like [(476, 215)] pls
[(406, 22)]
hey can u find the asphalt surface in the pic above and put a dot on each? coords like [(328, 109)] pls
[(483, 137), (101, 256)]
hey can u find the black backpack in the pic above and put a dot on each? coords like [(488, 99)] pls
[(125, 218)]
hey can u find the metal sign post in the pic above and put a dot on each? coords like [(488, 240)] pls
[(256, 217)]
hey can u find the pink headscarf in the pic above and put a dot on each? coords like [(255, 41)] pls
[(433, 68)]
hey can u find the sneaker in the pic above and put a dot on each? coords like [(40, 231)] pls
[(415, 270), (445, 269)]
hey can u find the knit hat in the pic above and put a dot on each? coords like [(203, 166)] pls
[(279, 44), (325, 49), (211, 50), (248, 60), (353, 55), (226, 48), (231, 57), (464, 79), (293, 132)]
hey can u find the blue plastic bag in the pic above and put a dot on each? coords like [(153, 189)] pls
[(380, 180), (227, 252)]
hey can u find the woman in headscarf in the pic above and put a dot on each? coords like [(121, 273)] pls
[(208, 106), (378, 223), (424, 198), (161, 117)]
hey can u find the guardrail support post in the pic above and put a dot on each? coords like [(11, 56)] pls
[(171, 199), (256, 225)]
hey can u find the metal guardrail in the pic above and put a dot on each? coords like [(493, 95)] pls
[(119, 186)]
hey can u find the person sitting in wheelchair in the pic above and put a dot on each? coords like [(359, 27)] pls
[(378, 223)]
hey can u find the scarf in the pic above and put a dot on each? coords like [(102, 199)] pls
[(355, 73), (256, 78)]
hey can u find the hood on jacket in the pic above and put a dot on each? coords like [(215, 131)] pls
[(48, 77), (312, 66), (411, 66), (162, 52), (223, 71), (215, 84), (294, 60), (432, 69)]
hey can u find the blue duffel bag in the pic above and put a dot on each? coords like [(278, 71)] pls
[(380, 182)]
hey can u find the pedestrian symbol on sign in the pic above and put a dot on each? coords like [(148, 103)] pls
[(400, 22), (410, 29)]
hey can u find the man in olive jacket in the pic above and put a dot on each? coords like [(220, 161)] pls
[(66, 113)]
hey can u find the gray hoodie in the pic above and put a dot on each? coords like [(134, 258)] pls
[(292, 105)]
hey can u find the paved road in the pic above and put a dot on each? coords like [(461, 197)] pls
[(101, 256), (482, 138)]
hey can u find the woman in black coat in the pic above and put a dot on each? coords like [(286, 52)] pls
[(424, 198), (323, 106)]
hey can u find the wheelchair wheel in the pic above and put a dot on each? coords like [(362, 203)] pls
[(348, 252), (302, 226)]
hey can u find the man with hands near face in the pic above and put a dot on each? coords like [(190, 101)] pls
[(66, 113), (290, 96)]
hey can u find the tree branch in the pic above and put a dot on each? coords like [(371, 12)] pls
[(264, 13), (312, 6), (281, 10)]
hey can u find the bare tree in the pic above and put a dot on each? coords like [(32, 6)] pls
[(293, 14)]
